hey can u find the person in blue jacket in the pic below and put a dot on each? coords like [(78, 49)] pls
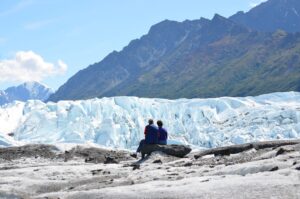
[(151, 135), (162, 133)]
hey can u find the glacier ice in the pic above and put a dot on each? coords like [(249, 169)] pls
[(118, 122)]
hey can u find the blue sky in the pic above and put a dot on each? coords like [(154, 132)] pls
[(51, 40)]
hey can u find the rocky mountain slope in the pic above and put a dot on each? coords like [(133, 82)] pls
[(271, 16), (24, 92), (200, 58), (265, 170)]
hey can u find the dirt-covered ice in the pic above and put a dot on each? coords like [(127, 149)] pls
[(42, 171)]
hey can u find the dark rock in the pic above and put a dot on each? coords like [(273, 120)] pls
[(94, 172), (280, 151), (205, 180), (106, 172), (274, 168), (229, 163), (136, 166), (11, 134), (173, 150), (173, 174), (134, 155), (297, 168), (276, 143), (189, 172), (221, 151), (157, 161), (8, 168), (294, 163), (188, 164), (89, 159), (110, 160)]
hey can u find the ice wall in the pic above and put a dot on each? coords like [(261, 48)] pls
[(119, 121)]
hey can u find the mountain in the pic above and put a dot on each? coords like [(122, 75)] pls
[(126, 66), (272, 15), (24, 92), (119, 122), (199, 58)]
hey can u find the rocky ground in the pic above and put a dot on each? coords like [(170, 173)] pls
[(260, 170)]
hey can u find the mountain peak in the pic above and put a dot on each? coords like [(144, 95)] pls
[(162, 26), (218, 17), (30, 85), (25, 91)]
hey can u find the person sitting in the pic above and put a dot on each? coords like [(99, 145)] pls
[(162, 133), (151, 135)]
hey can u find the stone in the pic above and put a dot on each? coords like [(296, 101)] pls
[(173, 150), (110, 160), (158, 161), (274, 168), (227, 150)]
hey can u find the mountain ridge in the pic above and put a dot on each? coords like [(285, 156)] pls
[(169, 60), (265, 16)]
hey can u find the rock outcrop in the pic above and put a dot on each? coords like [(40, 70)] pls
[(173, 150), (227, 150)]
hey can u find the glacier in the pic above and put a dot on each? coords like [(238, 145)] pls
[(118, 122)]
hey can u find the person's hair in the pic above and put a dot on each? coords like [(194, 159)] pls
[(150, 121), (159, 123)]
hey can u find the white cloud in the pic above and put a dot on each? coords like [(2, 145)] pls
[(255, 3), (29, 66)]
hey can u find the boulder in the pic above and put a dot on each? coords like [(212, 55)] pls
[(275, 143), (173, 150), (227, 150)]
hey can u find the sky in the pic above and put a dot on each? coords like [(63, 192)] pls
[(50, 40)]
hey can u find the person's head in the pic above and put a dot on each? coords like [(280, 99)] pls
[(150, 121), (159, 123)]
